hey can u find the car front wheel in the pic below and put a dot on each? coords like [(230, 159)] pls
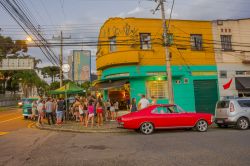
[(147, 128), (242, 124), (201, 125)]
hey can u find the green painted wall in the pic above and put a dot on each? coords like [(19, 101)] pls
[(183, 92)]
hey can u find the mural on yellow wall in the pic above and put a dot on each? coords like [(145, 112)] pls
[(127, 32)]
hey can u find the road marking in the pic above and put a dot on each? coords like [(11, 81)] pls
[(2, 116), (31, 125), (11, 119), (3, 133)]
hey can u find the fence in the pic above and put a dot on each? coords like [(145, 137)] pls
[(8, 100)]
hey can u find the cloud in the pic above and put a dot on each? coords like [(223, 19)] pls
[(211, 10), (196, 9)]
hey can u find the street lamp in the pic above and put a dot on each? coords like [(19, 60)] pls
[(29, 39)]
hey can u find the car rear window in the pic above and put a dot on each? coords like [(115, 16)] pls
[(244, 103), (223, 104)]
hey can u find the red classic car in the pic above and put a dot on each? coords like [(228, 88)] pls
[(164, 117)]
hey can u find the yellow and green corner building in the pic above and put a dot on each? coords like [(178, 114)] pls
[(131, 61)]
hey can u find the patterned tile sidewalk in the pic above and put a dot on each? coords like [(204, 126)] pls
[(72, 126)]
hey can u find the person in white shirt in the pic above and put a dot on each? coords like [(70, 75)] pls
[(143, 103)]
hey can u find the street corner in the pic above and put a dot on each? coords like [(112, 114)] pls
[(77, 128)]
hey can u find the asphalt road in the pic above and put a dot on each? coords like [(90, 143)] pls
[(30, 146), (11, 119)]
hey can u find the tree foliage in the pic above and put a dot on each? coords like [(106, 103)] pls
[(29, 79), (50, 72), (54, 85), (8, 46)]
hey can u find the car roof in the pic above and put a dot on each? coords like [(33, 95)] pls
[(238, 98), (164, 105)]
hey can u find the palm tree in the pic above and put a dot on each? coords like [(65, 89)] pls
[(28, 79)]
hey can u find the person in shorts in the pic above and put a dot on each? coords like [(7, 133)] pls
[(91, 113), (108, 116), (112, 110), (40, 109), (99, 111), (82, 114), (59, 111), (34, 109), (116, 105)]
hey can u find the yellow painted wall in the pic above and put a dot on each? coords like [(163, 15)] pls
[(127, 35)]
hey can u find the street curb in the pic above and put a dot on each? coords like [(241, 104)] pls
[(84, 131)]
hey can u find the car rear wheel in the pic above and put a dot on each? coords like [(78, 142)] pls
[(201, 125), (147, 128), (243, 123)]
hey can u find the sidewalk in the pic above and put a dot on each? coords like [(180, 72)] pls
[(72, 126)]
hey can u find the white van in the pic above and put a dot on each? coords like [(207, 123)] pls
[(233, 112)]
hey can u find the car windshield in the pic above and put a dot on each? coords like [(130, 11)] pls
[(176, 109), (166, 110), (28, 101)]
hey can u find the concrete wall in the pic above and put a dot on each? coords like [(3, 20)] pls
[(231, 61)]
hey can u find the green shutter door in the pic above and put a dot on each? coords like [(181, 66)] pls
[(206, 95)]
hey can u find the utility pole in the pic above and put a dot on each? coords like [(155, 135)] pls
[(168, 58), (61, 55)]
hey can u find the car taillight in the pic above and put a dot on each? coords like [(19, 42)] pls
[(231, 107), (212, 118)]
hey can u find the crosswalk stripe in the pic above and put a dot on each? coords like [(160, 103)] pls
[(11, 119)]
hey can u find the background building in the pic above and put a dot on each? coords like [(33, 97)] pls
[(80, 65), (231, 42), (134, 63)]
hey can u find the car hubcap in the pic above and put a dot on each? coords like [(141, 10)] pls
[(243, 124), (202, 125), (147, 128)]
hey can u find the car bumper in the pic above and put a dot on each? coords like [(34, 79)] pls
[(229, 121), (120, 124)]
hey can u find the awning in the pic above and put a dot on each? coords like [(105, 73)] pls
[(242, 83), (110, 84)]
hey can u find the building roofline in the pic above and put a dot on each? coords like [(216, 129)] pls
[(233, 19), (140, 18)]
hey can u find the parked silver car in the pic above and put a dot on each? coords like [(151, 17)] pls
[(233, 112)]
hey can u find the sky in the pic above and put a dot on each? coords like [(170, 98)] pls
[(81, 19)]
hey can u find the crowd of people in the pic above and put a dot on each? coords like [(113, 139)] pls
[(84, 110)]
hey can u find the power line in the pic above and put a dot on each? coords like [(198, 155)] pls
[(18, 14)]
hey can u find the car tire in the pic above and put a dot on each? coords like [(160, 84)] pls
[(242, 123), (25, 117), (147, 128), (201, 126)]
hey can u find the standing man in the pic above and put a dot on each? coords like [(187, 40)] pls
[(143, 103), (49, 108), (59, 111)]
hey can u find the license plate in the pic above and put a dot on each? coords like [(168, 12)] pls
[(219, 121)]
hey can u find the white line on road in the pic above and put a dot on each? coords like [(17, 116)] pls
[(11, 119), (1, 116)]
